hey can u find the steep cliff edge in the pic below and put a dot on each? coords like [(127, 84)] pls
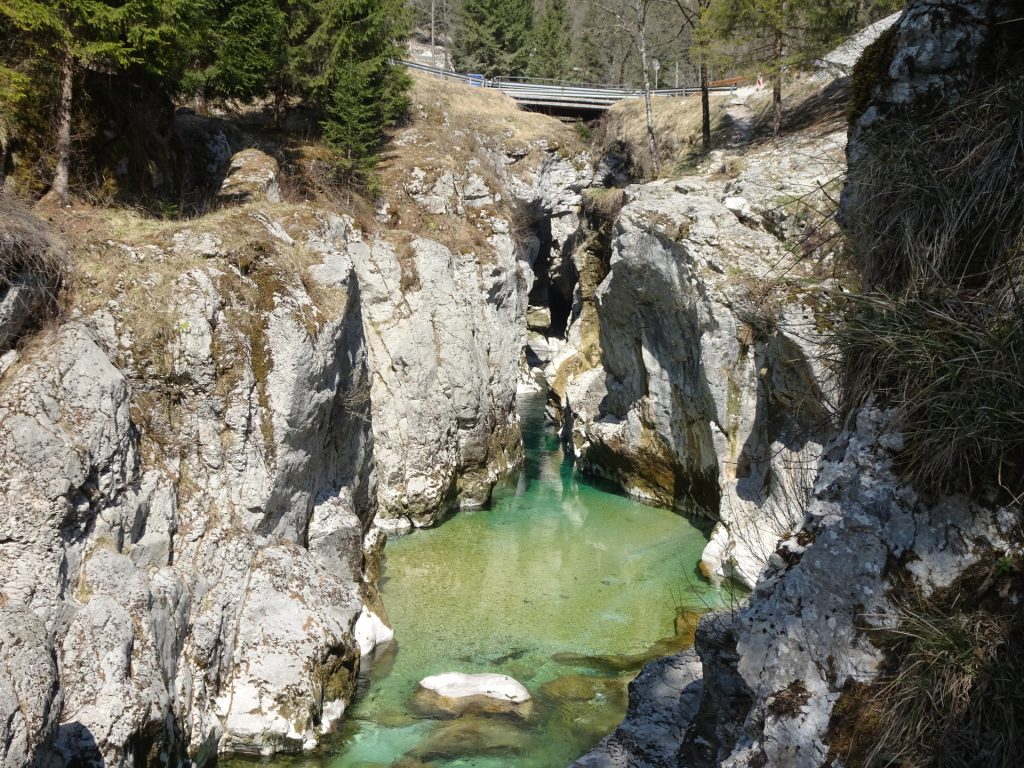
[(445, 289), (187, 489), (691, 371), (886, 630), (197, 448)]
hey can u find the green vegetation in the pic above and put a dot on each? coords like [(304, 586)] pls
[(57, 41), (775, 35), (345, 68), (332, 56), (493, 37), (551, 42), (246, 55)]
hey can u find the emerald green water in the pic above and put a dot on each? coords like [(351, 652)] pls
[(555, 571)]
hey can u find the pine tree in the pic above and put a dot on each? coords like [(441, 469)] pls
[(476, 47), (65, 37), (245, 52), (515, 26), (551, 51), (492, 37), (345, 68)]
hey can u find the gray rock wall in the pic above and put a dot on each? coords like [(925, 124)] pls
[(445, 348), (677, 386), (185, 525), (775, 668)]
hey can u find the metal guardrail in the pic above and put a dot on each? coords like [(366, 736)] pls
[(555, 93)]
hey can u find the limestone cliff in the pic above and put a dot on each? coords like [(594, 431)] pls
[(866, 603), (187, 489), (196, 449), (691, 375), (445, 293)]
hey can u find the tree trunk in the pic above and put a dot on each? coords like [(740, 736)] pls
[(433, 47), (641, 18), (62, 173), (705, 106), (777, 50)]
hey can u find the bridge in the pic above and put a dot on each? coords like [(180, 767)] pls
[(559, 97)]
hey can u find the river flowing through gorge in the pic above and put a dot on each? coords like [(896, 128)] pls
[(561, 583)]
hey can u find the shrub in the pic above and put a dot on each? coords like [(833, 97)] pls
[(29, 253)]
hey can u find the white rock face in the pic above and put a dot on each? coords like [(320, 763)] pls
[(371, 632), (445, 333), (841, 60), (680, 390), (446, 329), (187, 522), (30, 697), (774, 670)]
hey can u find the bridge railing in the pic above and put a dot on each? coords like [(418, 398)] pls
[(555, 93)]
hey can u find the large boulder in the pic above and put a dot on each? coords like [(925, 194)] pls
[(252, 176), (663, 701), (456, 693)]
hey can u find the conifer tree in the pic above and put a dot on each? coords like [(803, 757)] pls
[(551, 50), (493, 37), (66, 37), (245, 51), (345, 67), (780, 33)]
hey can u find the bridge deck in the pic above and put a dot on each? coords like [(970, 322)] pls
[(563, 96)]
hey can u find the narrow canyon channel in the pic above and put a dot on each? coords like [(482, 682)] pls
[(564, 585)]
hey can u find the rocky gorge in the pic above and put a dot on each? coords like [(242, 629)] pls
[(207, 447)]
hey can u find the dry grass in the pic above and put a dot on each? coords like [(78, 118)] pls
[(129, 265), (677, 130), (936, 219), (29, 251), (951, 697), (955, 370), (450, 107), (677, 122), (458, 129), (938, 200)]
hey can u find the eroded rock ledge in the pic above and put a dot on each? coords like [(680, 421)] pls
[(781, 675), (774, 669)]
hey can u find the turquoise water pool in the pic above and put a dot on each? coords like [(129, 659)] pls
[(561, 584)]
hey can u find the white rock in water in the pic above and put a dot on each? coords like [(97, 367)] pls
[(371, 632), (456, 685)]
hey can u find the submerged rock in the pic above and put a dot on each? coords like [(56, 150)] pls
[(455, 693), (468, 736), (581, 688)]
